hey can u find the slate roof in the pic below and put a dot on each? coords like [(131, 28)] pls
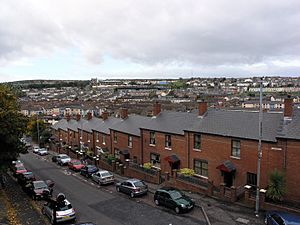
[(239, 124), (131, 125), (171, 122), (291, 128), (88, 125), (103, 126), (61, 124)]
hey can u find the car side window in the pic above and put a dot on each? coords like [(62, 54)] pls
[(278, 219), (130, 184)]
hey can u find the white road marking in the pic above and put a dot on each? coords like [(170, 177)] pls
[(242, 220)]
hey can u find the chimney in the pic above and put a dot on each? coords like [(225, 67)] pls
[(78, 117), (156, 109), (89, 115), (105, 115), (68, 117), (124, 113), (202, 108), (288, 107)]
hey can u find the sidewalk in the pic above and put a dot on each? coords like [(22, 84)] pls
[(16, 208)]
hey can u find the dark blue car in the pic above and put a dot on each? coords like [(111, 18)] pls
[(281, 218), (88, 170)]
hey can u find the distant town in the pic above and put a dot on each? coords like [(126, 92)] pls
[(56, 98)]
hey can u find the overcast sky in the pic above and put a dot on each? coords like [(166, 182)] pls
[(74, 39)]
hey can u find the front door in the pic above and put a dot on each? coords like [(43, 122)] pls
[(228, 179)]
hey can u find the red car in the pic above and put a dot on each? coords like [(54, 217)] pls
[(75, 165), (18, 169)]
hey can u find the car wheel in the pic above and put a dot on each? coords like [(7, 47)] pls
[(131, 194), (43, 211), (99, 183), (177, 210), (156, 202), (118, 189)]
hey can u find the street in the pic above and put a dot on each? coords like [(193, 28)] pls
[(103, 205)]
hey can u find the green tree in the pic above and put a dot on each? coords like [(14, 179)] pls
[(277, 186), (13, 126)]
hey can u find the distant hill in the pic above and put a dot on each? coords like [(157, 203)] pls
[(49, 83)]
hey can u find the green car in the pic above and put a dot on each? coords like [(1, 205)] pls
[(174, 199)]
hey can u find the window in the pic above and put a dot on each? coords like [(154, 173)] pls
[(152, 138), (155, 159), (115, 137), (168, 142), (251, 179), (197, 141), (129, 141), (201, 167), (236, 148), (117, 153), (103, 139)]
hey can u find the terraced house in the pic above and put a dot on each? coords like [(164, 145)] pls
[(221, 146)]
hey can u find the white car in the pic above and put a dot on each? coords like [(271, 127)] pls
[(103, 177), (65, 211), (63, 159), (36, 149), (43, 151)]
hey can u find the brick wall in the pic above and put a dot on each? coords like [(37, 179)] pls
[(122, 144), (178, 148), (98, 141)]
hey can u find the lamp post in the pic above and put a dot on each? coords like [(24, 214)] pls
[(38, 129), (259, 155)]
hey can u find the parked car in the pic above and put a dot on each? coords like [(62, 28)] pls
[(64, 210), (75, 165), (88, 170), (25, 178), (63, 159), (18, 169), (39, 189), (36, 149), (103, 177), (42, 151), (174, 199), (133, 187), (54, 158), (281, 218)]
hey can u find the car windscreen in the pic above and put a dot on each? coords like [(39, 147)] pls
[(20, 168), (139, 184), (40, 185), (64, 207), (76, 163), (64, 157), (105, 174), (175, 194)]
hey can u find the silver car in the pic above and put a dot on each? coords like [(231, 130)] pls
[(63, 159), (64, 212), (133, 187), (103, 177)]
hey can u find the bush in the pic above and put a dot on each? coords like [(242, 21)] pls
[(110, 158), (147, 165), (187, 172), (277, 186)]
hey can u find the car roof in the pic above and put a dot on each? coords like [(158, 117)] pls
[(287, 217), (133, 180), (62, 155), (167, 189)]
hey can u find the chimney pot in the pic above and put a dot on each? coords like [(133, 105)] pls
[(89, 115), (202, 108), (68, 117), (78, 117), (156, 108)]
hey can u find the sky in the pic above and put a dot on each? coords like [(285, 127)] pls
[(112, 39)]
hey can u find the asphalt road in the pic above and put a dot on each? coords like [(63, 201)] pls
[(103, 205)]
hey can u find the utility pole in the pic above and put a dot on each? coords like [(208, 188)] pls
[(38, 129), (259, 156)]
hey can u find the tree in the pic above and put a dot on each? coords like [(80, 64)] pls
[(277, 187), (13, 126)]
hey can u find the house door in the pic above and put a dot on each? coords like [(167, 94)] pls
[(228, 179)]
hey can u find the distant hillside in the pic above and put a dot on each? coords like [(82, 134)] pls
[(49, 83)]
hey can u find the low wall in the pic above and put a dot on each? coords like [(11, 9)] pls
[(130, 171), (105, 165)]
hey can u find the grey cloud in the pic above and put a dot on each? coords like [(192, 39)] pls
[(199, 33)]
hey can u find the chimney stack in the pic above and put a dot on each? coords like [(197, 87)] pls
[(288, 107), (124, 113), (78, 117), (202, 108), (105, 115), (89, 115), (156, 109), (68, 117)]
